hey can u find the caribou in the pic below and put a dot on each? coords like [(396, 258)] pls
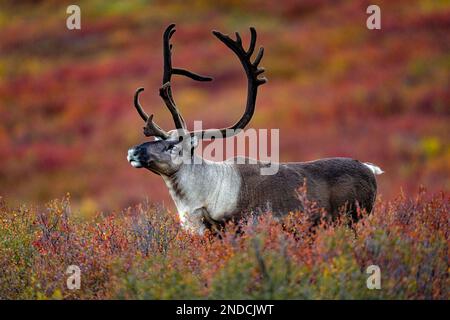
[(208, 193)]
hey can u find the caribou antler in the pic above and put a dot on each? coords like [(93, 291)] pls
[(252, 70), (165, 91), (151, 128), (253, 82)]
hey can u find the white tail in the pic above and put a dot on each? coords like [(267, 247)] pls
[(375, 169)]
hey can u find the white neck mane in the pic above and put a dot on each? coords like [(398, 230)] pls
[(210, 188)]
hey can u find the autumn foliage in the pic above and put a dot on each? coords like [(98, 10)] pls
[(141, 253)]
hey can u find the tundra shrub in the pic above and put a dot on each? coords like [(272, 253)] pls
[(142, 253)]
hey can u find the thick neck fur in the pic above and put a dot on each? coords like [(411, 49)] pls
[(208, 187)]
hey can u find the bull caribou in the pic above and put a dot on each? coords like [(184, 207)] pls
[(208, 193)]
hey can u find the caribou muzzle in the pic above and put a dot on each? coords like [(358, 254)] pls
[(138, 156)]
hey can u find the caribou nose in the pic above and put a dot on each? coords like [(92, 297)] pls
[(131, 153)]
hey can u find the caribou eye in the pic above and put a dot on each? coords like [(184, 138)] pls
[(170, 147)]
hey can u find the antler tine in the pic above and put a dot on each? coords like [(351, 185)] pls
[(251, 47), (190, 74), (152, 129), (165, 93), (172, 31), (167, 73), (245, 55), (238, 39), (138, 106), (258, 57)]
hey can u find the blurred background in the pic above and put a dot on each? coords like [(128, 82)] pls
[(335, 89)]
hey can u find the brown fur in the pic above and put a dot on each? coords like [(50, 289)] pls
[(332, 183)]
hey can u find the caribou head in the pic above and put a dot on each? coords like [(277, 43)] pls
[(166, 153)]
